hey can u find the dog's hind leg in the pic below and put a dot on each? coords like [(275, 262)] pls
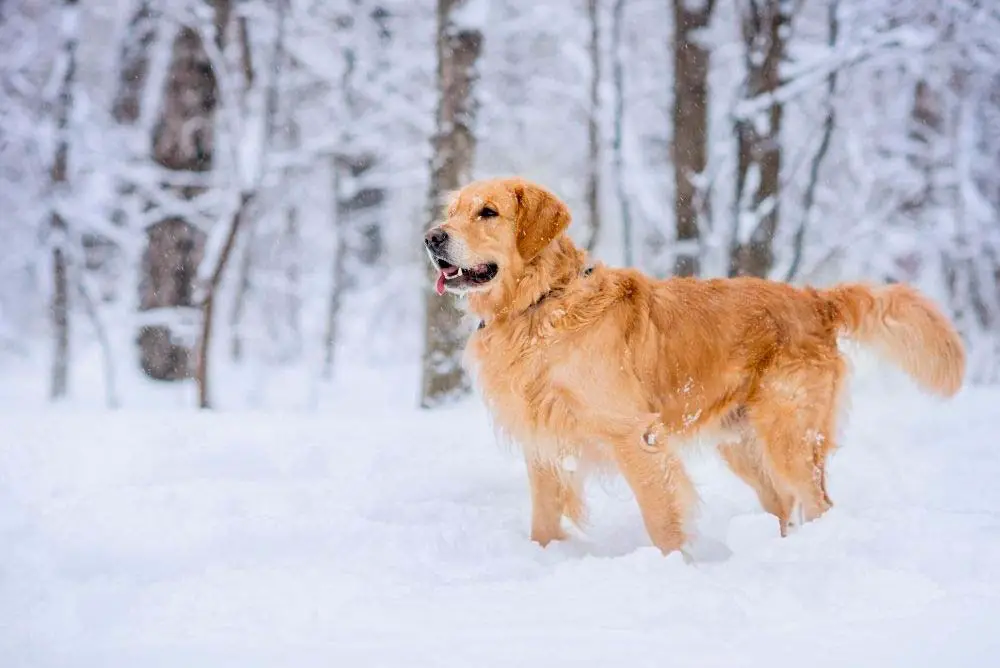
[(794, 419), (746, 460)]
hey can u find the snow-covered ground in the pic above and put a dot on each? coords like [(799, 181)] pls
[(372, 534)]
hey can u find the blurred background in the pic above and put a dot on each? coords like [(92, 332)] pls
[(220, 203)]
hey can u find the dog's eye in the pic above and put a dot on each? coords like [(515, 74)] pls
[(488, 212)]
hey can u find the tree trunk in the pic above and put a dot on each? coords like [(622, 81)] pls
[(618, 76), (211, 291), (359, 195), (336, 288), (248, 191), (454, 146), (690, 132), (59, 176), (107, 353), (829, 121), (293, 299), (134, 63), (970, 265), (126, 109), (291, 137), (359, 240), (239, 300), (763, 23), (183, 140), (593, 127)]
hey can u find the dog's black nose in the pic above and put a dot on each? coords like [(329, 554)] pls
[(435, 238)]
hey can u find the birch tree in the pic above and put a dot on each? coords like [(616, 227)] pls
[(135, 54), (59, 229), (183, 144), (358, 171), (250, 180)]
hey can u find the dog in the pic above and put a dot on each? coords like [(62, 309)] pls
[(592, 367)]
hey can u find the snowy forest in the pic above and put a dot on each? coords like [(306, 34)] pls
[(235, 429), (222, 201)]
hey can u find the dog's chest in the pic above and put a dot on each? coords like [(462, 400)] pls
[(525, 383), (513, 369)]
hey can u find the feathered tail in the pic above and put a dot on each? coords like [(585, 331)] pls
[(904, 327)]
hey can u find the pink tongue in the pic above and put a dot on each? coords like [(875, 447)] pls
[(439, 286)]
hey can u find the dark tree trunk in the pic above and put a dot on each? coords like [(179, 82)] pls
[(59, 175), (454, 146), (211, 291), (239, 301), (293, 305), (59, 385), (618, 80), (763, 23), (183, 140), (593, 128), (169, 268), (690, 135)]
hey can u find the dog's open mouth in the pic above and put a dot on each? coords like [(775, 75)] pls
[(456, 278)]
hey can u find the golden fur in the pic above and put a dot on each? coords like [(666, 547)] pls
[(613, 368)]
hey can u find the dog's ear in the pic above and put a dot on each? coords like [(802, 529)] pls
[(541, 217)]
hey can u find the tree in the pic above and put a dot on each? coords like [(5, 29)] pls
[(249, 186), (690, 132), (183, 141), (826, 134), (593, 194), (459, 44), (127, 109), (358, 184), (763, 24), (951, 150), (133, 62), (59, 175), (618, 149)]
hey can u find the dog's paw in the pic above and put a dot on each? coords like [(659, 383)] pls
[(795, 519), (544, 537)]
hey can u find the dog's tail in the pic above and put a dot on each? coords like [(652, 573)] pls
[(905, 328)]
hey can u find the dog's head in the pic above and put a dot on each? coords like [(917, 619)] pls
[(493, 228)]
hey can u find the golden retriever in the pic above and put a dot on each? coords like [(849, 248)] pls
[(592, 367)]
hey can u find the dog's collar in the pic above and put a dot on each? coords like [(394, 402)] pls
[(586, 272)]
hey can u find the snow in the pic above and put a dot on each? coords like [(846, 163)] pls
[(371, 533), (695, 6), (471, 15)]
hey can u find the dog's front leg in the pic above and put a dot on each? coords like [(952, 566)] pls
[(547, 499)]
